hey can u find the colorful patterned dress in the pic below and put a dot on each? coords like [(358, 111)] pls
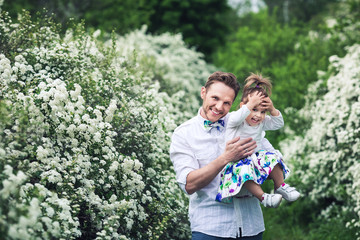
[(256, 168)]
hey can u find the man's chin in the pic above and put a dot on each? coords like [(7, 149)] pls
[(215, 119)]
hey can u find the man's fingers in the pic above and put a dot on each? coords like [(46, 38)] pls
[(234, 140), (245, 141), (249, 147)]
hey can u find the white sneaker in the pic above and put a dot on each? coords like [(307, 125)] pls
[(271, 200), (287, 192)]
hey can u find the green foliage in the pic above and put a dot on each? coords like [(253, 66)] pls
[(204, 24), (119, 15), (291, 56), (325, 156), (299, 221), (294, 11)]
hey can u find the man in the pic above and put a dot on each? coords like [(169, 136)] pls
[(198, 157)]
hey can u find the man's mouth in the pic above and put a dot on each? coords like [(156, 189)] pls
[(215, 112)]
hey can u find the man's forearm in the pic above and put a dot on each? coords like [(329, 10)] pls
[(200, 178)]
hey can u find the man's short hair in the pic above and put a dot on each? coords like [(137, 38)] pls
[(228, 79)]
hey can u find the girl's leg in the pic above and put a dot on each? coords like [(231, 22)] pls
[(289, 193), (277, 176), (268, 200), (254, 188)]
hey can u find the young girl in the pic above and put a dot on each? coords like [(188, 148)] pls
[(251, 121)]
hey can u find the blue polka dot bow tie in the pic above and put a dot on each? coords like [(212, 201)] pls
[(219, 125)]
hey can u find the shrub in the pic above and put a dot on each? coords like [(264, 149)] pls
[(326, 156), (84, 133)]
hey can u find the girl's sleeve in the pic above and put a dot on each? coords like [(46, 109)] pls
[(273, 122), (266, 145), (238, 117)]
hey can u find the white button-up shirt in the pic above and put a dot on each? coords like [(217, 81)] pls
[(193, 147)]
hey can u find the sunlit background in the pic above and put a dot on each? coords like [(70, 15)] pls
[(90, 92)]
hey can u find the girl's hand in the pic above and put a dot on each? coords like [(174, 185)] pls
[(268, 105), (255, 100)]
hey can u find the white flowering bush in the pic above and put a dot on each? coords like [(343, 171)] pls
[(85, 130), (181, 71), (326, 158)]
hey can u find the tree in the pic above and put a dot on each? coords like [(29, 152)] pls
[(204, 24), (287, 11)]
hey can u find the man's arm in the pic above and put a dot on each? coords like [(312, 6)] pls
[(235, 150)]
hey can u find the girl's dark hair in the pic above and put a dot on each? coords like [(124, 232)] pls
[(256, 83), (228, 79)]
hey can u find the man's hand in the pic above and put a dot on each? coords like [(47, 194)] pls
[(235, 150), (238, 148)]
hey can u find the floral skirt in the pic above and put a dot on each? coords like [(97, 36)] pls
[(257, 168)]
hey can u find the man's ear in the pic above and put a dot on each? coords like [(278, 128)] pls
[(203, 93)]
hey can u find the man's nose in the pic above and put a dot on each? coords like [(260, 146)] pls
[(219, 105)]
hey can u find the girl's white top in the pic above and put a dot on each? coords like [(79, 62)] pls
[(237, 126)]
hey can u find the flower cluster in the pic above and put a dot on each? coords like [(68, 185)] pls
[(326, 157), (84, 133)]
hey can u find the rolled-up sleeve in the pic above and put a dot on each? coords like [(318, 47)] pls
[(182, 157)]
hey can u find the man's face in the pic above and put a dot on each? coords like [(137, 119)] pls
[(217, 100), (256, 116)]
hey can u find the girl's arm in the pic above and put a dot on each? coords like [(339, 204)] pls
[(238, 117), (275, 121), (268, 105)]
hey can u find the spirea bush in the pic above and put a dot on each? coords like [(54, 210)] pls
[(85, 131), (167, 57), (326, 158)]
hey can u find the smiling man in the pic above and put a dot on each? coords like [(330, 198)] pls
[(198, 153)]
